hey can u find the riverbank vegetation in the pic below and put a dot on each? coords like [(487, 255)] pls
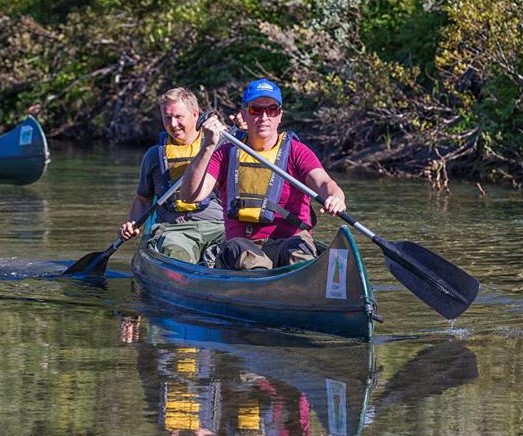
[(413, 88)]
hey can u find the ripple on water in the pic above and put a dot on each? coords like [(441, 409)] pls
[(15, 268)]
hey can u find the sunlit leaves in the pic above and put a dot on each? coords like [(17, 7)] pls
[(481, 60)]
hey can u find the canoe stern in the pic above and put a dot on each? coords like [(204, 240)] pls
[(24, 153)]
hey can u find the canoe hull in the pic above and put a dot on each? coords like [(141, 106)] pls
[(330, 294), (24, 154)]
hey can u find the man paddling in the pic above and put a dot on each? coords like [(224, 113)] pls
[(268, 222), (183, 230)]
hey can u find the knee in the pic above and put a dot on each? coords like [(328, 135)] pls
[(180, 248), (298, 256), (297, 250), (242, 253), (179, 253)]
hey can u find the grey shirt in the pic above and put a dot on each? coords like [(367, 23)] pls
[(152, 183)]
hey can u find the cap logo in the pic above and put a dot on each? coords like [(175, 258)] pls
[(266, 86)]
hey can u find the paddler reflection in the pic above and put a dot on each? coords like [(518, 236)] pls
[(192, 399), (234, 387)]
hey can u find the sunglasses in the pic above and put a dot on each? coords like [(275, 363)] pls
[(272, 111)]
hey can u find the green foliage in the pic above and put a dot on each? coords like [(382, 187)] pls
[(430, 82), (403, 31), (480, 59), (115, 57)]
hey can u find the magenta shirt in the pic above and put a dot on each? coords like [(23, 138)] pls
[(301, 162)]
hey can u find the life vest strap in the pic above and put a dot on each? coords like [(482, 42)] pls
[(289, 217)]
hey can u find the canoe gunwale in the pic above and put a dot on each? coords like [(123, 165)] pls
[(288, 295)]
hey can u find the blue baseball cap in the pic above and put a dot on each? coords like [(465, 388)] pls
[(261, 88)]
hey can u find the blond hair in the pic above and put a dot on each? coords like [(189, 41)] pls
[(175, 95)]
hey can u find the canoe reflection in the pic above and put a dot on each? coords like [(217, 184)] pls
[(24, 214), (217, 379)]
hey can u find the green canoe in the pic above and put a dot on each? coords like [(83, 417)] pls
[(330, 294)]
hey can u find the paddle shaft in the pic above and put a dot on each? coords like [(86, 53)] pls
[(96, 262)]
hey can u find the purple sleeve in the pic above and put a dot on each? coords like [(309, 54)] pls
[(219, 163), (302, 160)]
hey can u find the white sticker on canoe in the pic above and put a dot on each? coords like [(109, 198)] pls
[(337, 274), (26, 135), (337, 404)]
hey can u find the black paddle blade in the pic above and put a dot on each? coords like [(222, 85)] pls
[(92, 264), (443, 286)]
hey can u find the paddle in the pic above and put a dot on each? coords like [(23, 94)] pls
[(440, 284), (95, 264)]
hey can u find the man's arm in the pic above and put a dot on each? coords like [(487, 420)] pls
[(319, 181), (138, 207), (197, 184)]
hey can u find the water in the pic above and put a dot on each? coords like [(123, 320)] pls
[(80, 358)]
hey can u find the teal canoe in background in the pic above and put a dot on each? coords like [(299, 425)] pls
[(24, 154), (330, 294)]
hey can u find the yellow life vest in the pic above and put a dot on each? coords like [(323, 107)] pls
[(249, 415), (253, 182), (253, 190), (182, 406), (174, 161)]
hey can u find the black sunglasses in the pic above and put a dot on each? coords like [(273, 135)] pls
[(272, 111)]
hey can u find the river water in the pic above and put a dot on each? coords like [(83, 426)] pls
[(81, 358)]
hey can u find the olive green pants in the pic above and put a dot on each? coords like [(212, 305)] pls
[(188, 241)]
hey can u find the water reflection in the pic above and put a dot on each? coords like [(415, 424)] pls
[(206, 378), (24, 214), (430, 372), (216, 379), (61, 344), (16, 268)]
